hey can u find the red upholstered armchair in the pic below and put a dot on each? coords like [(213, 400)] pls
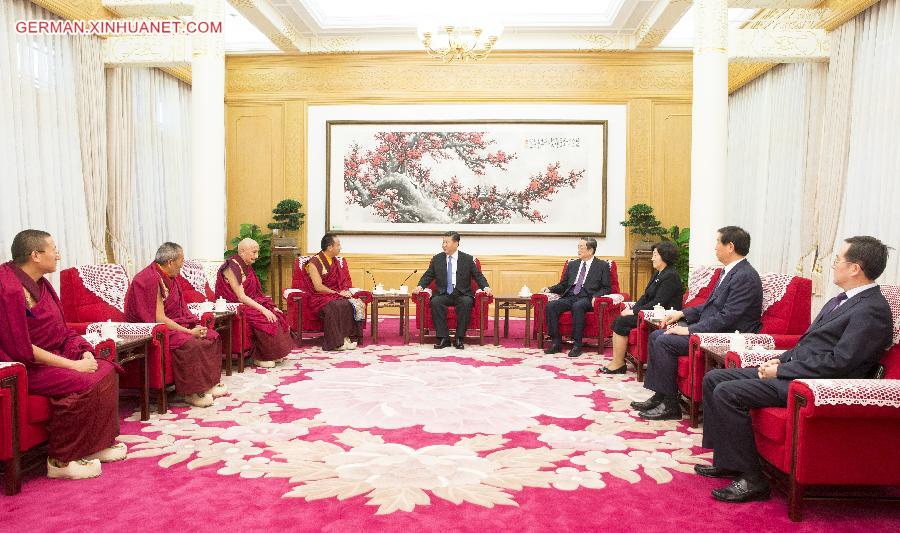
[(833, 432), (305, 323), (23, 418), (194, 285), (477, 321), (597, 323), (786, 309), (701, 283), (91, 294)]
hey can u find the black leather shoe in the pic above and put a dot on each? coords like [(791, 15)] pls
[(554, 348), (575, 351), (743, 490), (606, 370), (649, 403), (458, 343), (666, 410), (712, 471), (444, 342)]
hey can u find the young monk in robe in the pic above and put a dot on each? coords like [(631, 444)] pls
[(331, 299), (237, 282), (61, 365), (154, 296)]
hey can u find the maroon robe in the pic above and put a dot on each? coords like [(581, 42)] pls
[(335, 310), (196, 363), (271, 340), (84, 405)]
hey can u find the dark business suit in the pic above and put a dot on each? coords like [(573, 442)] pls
[(846, 343), (465, 270), (664, 289), (735, 304), (596, 283)]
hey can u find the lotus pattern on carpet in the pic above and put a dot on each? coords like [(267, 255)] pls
[(397, 426)]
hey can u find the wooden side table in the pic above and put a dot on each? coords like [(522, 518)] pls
[(223, 325), (714, 356), (637, 257), (391, 300), (132, 348), (276, 288), (506, 303)]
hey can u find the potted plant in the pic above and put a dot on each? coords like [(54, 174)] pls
[(287, 217), (261, 266), (642, 222)]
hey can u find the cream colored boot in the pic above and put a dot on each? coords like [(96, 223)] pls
[(114, 453)]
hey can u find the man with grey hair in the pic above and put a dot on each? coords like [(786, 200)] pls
[(236, 282), (155, 296)]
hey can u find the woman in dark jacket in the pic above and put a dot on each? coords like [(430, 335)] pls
[(664, 289)]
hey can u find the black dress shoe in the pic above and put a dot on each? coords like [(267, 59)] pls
[(713, 471), (575, 352), (649, 403), (554, 348), (743, 490), (444, 342), (606, 370), (666, 410), (458, 343)]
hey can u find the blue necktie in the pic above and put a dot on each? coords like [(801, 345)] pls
[(449, 275), (833, 304)]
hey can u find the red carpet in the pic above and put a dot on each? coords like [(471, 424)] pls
[(408, 438)]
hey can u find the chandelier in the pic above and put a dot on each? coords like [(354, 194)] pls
[(459, 43)]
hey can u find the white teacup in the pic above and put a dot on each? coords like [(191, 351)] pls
[(108, 331), (404, 289), (221, 305)]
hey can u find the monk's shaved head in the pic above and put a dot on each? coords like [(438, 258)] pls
[(26, 242), (247, 244)]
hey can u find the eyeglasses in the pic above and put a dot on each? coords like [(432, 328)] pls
[(837, 259)]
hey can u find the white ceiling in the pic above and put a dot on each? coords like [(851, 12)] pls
[(379, 25)]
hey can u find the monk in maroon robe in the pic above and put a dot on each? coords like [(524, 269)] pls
[(331, 299), (83, 389), (237, 282), (155, 296)]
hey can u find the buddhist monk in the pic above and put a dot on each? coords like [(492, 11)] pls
[(83, 388), (237, 282), (155, 296), (332, 300)]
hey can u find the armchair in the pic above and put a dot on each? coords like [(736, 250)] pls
[(478, 319), (304, 323), (833, 432), (786, 308), (92, 294), (597, 323)]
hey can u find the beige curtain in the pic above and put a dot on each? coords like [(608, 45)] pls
[(90, 98)]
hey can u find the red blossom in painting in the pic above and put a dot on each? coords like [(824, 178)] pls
[(394, 180)]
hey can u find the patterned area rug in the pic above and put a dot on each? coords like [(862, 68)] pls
[(408, 438)]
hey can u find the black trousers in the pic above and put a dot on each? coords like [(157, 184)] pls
[(662, 361), (728, 396), (463, 305), (578, 305), (624, 324)]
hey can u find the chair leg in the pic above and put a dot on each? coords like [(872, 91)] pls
[(795, 500), (695, 413), (12, 475), (639, 366)]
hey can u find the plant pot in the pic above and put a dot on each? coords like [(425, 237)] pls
[(643, 245), (284, 242)]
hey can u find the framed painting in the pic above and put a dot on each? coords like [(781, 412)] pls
[(491, 177)]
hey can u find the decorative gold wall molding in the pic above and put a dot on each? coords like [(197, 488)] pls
[(504, 76), (778, 46), (828, 15), (76, 9)]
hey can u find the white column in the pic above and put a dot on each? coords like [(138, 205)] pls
[(709, 128), (208, 139)]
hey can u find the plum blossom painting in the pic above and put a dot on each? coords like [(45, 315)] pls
[(510, 177)]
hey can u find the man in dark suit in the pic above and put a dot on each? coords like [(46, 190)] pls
[(453, 272), (735, 304), (846, 340), (585, 279)]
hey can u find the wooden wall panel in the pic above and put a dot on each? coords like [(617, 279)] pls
[(267, 99)]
